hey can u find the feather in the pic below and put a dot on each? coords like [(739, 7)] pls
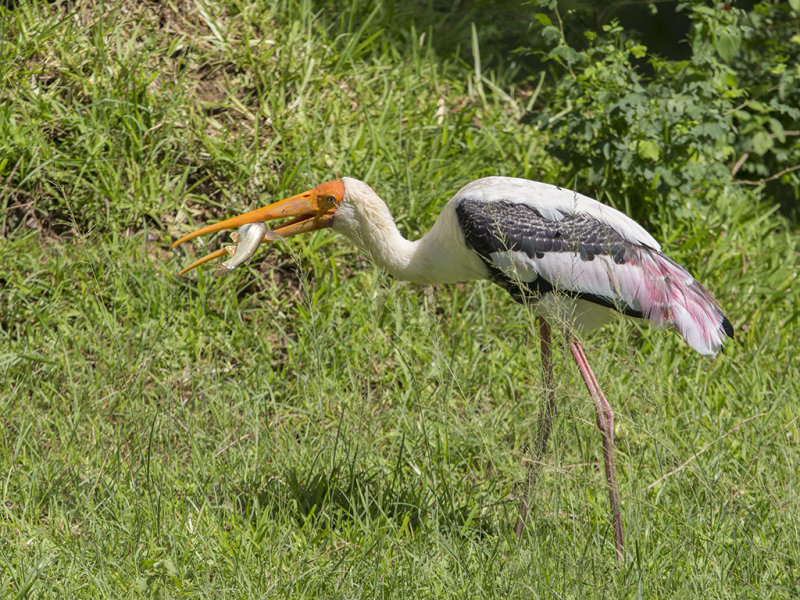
[(592, 265), (554, 203)]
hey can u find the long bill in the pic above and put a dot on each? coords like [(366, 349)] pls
[(307, 212)]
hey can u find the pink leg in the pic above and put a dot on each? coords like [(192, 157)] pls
[(545, 421), (605, 423)]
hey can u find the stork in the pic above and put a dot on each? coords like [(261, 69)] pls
[(575, 261)]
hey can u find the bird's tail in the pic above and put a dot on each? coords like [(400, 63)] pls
[(671, 296)]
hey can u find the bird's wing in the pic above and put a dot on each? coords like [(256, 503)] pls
[(530, 255), (554, 203)]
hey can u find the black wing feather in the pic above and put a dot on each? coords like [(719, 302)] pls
[(503, 226)]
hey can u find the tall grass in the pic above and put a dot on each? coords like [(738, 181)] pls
[(307, 427)]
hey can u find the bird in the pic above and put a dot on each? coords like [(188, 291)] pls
[(573, 260)]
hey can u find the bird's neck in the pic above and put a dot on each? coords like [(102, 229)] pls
[(438, 257)]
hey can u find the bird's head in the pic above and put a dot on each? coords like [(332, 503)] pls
[(309, 211)]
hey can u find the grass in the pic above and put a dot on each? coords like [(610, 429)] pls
[(307, 427)]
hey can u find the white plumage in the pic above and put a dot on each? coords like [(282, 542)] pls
[(441, 256)]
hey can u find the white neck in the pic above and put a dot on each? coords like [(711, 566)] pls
[(441, 256)]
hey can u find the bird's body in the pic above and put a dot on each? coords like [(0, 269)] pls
[(574, 260)]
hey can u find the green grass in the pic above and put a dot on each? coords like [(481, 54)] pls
[(307, 427)]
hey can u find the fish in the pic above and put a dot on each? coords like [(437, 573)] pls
[(248, 238)]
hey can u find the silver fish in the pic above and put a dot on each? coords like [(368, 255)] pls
[(249, 239)]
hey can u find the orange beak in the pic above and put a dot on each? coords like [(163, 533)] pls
[(308, 211)]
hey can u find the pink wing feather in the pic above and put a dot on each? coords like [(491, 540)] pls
[(668, 295)]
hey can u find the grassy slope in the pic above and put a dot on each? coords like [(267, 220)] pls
[(307, 427)]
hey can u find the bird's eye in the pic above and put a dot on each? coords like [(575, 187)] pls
[(331, 200)]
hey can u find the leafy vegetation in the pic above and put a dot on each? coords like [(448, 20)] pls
[(658, 138), (307, 427)]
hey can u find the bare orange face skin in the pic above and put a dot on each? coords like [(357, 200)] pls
[(308, 211)]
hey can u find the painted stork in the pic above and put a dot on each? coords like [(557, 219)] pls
[(573, 259)]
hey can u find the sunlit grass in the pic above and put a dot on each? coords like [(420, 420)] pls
[(308, 427)]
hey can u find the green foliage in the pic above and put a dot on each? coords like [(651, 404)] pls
[(648, 141), (760, 50), (662, 133)]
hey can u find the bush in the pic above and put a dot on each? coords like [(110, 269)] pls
[(663, 133)]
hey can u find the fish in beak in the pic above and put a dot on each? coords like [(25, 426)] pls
[(309, 211)]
